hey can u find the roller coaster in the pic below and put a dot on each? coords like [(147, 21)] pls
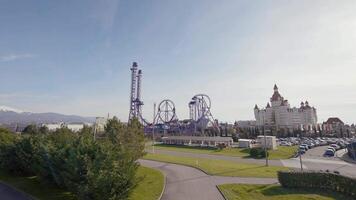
[(165, 120)]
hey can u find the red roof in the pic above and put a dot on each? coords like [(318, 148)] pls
[(334, 120)]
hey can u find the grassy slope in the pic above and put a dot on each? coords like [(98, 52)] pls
[(275, 192), (220, 167), (149, 189), (151, 186), (282, 152)]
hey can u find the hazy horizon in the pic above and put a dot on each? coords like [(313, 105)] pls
[(75, 58)]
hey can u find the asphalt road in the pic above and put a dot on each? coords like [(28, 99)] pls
[(187, 183), (8, 193)]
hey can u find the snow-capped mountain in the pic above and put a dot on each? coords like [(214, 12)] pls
[(9, 109), (10, 115)]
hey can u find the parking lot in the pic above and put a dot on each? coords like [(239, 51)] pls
[(318, 153)]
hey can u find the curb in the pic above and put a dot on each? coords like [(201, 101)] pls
[(222, 194), (164, 186), (181, 164), (19, 191)]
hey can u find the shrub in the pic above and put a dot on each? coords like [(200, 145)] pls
[(257, 153), (319, 180)]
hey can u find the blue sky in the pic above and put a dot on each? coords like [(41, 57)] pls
[(73, 57)]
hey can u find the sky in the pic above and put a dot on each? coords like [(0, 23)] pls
[(74, 57)]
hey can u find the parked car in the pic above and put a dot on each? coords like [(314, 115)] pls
[(329, 153), (301, 151), (335, 146), (305, 146), (331, 148)]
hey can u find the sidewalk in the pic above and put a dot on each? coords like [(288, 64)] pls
[(342, 154)]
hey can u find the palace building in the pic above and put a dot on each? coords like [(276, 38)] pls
[(279, 114)]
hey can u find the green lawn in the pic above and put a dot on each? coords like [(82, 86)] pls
[(149, 188), (275, 192), (31, 185), (220, 167), (283, 152)]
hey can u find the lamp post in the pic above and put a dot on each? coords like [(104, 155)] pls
[(94, 131), (265, 143), (153, 128), (300, 157)]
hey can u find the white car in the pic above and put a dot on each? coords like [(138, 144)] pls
[(331, 148)]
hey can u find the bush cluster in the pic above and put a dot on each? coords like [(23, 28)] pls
[(319, 180), (90, 168), (257, 153)]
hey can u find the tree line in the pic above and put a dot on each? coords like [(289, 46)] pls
[(90, 168)]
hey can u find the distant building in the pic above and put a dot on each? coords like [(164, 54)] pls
[(278, 113), (100, 123), (332, 124), (198, 141), (73, 127), (335, 126), (245, 124)]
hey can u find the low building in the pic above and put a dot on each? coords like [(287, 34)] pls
[(244, 143), (269, 142), (73, 127), (198, 141)]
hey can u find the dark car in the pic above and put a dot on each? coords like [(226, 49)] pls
[(329, 153)]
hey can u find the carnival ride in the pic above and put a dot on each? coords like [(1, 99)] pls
[(166, 120)]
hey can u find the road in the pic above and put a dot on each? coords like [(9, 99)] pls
[(8, 193), (187, 183), (312, 160)]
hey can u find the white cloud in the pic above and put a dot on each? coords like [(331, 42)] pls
[(12, 57)]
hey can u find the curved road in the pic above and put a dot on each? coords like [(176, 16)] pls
[(187, 183), (8, 193)]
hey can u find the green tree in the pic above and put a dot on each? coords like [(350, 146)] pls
[(31, 129), (134, 139), (114, 130)]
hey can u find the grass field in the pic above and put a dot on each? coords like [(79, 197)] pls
[(283, 152), (149, 188), (275, 192), (220, 167), (31, 185)]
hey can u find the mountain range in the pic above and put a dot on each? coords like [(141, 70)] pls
[(10, 115)]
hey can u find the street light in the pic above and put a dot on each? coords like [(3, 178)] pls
[(153, 128), (265, 145)]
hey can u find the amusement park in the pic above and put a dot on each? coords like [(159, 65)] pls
[(165, 122)]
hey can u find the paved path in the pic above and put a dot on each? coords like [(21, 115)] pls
[(188, 183), (8, 193)]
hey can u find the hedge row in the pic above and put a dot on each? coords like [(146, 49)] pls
[(319, 180)]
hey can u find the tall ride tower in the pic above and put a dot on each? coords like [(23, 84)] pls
[(135, 94)]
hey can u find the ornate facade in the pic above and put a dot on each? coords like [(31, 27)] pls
[(278, 113)]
